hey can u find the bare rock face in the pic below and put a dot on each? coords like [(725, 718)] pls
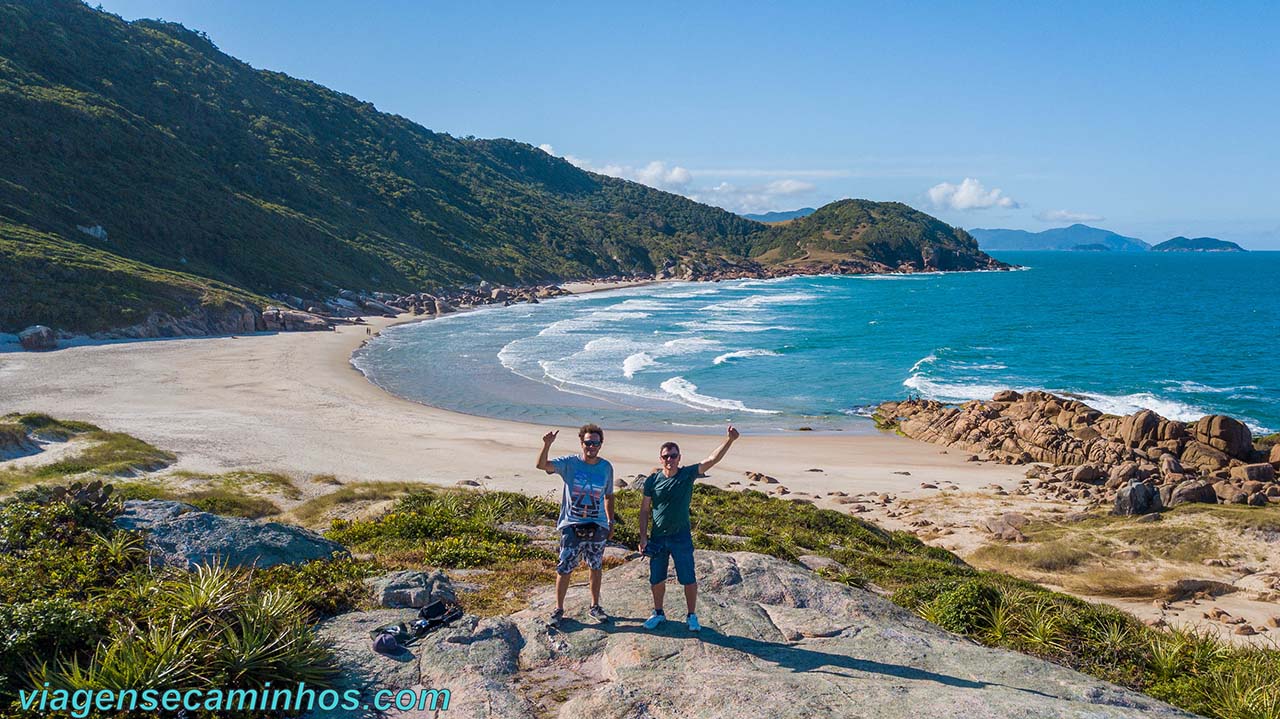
[(1136, 498), (1193, 491), (1204, 457), (1260, 472), (1087, 448), (178, 534), (1225, 434), (774, 635), (38, 338), (411, 589), (281, 319)]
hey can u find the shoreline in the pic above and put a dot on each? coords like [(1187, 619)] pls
[(294, 403)]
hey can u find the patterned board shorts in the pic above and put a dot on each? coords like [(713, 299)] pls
[(575, 549)]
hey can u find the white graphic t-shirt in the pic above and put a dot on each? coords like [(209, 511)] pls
[(585, 487)]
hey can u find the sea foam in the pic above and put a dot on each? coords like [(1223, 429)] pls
[(743, 353), (687, 392)]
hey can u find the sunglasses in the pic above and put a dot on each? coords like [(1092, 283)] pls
[(669, 456), (590, 443)]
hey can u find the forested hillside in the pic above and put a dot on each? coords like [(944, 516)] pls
[(142, 169)]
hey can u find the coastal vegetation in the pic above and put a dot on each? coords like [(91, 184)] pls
[(885, 232), (1101, 554), (81, 608), (147, 172), (103, 616), (101, 453)]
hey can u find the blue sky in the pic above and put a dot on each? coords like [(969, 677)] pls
[(1150, 119)]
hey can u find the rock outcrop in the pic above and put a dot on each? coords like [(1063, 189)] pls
[(38, 338), (179, 535), (411, 589), (1094, 456), (282, 319), (776, 638)]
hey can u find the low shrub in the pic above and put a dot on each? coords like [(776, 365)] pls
[(448, 529), (80, 608), (962, 608), (325, 587)]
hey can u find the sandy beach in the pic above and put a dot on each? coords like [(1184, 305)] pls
[(293, 403)]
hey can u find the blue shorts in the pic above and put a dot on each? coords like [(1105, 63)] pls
[(678, 546)]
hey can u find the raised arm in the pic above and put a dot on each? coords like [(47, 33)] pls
[(731, 435), (543, 463)]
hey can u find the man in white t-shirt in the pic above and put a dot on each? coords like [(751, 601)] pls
[(586, 513)]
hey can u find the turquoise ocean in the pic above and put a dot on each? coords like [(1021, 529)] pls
[(1182, 334)]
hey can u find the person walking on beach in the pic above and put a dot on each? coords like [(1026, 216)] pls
[(586, 514), (667, 493)]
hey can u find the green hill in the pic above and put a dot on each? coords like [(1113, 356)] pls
[(886, 232), (142, 169), (1197, 244), (1060, 239)]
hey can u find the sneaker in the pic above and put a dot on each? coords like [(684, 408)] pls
[(694, 625), (598, 614), (553, 621), (657, 618)]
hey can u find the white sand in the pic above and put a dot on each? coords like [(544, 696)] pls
[(292, 403)]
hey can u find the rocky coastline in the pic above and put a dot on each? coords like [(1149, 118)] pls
[(1139, 463), (295, 313)]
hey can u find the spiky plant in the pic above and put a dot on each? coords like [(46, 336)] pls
[(1166, 654), (122, 548), (1248, 689), (204, 595), (1041, 628), (252, 652), (156, 657), (1000, 623)]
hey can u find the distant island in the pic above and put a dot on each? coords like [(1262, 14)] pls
[(1095, 247), (1197, 244), (781, 215), (1073, 238)]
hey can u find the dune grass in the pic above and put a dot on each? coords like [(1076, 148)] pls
[(47, 428), (246, 481), (1105, 555), (314, 509), (110, 453), (218, 500), (107, 454)]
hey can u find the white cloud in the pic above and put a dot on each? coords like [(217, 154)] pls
[(752, 198), (756, 197), (547, 149), (655, 174), (771, 172), (970, 194), (1068, 216)]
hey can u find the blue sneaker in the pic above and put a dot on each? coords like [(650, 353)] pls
[(694, 625), (653, 621)]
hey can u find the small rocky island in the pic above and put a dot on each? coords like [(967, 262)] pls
[(1197, 244)]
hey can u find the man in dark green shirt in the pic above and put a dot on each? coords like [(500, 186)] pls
[(666, 499)]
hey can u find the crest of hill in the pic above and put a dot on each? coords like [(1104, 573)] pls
[(781, 215), (144, 170), (1061, 238), (1197, 244), (887, 232)]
